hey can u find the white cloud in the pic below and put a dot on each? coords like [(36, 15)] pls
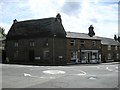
[(103, 16), (45, 8)]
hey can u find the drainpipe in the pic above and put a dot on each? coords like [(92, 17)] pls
[(54, 49)]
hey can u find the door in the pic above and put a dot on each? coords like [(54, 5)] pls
[(31, 55)]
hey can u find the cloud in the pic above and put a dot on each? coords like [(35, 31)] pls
[(76, 15), (12, 9), (45, 8), (94, 20), (71, 8)]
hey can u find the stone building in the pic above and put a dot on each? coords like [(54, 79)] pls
[(40, 41)]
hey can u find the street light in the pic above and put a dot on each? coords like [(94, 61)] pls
[(54, 48)]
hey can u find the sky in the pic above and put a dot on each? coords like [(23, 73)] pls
[(77, 15)]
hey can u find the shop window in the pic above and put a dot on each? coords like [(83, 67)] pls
[(94, 56), (83, 56)]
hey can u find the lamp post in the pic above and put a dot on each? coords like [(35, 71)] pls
[(54, 49)]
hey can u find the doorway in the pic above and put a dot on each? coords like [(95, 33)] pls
[(31, 55)]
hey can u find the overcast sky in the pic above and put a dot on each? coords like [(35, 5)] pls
[(77, 15)]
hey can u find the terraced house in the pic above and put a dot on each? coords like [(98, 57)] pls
[(81, 48), (110, 49), (45, 42)]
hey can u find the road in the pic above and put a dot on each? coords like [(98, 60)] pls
[(72, 76)]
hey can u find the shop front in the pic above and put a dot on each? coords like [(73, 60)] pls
[(90, 56)]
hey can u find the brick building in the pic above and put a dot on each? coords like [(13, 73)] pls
[(110, 50), (81, 48)]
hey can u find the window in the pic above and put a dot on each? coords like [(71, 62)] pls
[(94, 43), (109, 47), (32, 43), (73, 54), (83, 57), (16, 54), (94, 56), (72, 42), (82, 43), (109, 56), (117, 55), (46, 54), (116, 47), (16, 44)]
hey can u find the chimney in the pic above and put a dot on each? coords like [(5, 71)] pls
[(15, 21), (115, 37), (118, 38), (91, 31), (58, 17)]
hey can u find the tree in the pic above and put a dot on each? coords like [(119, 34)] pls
[(2, 31)]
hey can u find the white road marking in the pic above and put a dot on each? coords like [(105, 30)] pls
[(83, 73), (92, 77), (29, 75), (109, 69), (26, 74), (54, 72), (116, 67)]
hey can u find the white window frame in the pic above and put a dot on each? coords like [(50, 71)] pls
[(73, 55), (116, 47), (82, 43), (117, 55), (109, 47), (94, 43), (72, 42)]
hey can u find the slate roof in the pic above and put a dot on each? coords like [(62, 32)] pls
[(104, 41), (108, 41), (81, 36), (47, 27)]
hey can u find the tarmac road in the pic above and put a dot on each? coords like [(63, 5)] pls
[(72, 76)]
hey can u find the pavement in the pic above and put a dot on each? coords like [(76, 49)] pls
[(103, 75)]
